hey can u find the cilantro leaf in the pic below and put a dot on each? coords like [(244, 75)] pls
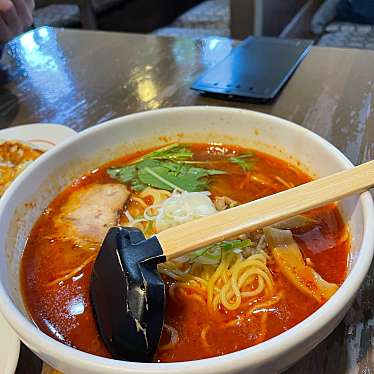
[(123, 174), (166, 175), (169, 176), (127, 174), (173, 152), (245, 161)]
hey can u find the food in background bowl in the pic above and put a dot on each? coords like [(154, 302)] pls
[(221, 298), (14, 157), (40, 183), (33, 139)]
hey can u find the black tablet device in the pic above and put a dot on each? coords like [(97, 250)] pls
[(256, 69)]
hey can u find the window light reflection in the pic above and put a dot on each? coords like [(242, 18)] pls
[(76, 306), (146, 90), (43, 61), (215, 49)]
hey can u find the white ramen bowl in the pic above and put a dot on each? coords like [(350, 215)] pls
[(43, 180)]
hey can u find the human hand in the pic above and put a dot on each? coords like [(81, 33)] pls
[(15, 17)]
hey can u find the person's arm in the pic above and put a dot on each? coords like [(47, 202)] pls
[(15, 17)]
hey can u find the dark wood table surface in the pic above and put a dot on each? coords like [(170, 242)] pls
[(81, 78)]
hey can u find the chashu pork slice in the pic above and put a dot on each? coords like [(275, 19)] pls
[(89, 212)]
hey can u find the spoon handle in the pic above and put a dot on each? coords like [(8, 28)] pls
[(230, 223)]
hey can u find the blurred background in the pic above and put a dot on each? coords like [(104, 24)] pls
[(340, 23)]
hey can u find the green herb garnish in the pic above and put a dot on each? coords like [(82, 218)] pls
[(172, 152), (172, 167), (166, 175), (212, 254), (245, 161)]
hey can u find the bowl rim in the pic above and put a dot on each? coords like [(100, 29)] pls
[(40, 342), (40, 136)]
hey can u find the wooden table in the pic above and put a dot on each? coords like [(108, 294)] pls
[(80, 78)]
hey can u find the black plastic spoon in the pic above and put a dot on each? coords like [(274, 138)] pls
[(128, 294)]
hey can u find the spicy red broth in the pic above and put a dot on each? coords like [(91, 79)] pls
[(56, 266)]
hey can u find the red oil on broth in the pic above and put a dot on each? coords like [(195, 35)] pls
[(60, 252)]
